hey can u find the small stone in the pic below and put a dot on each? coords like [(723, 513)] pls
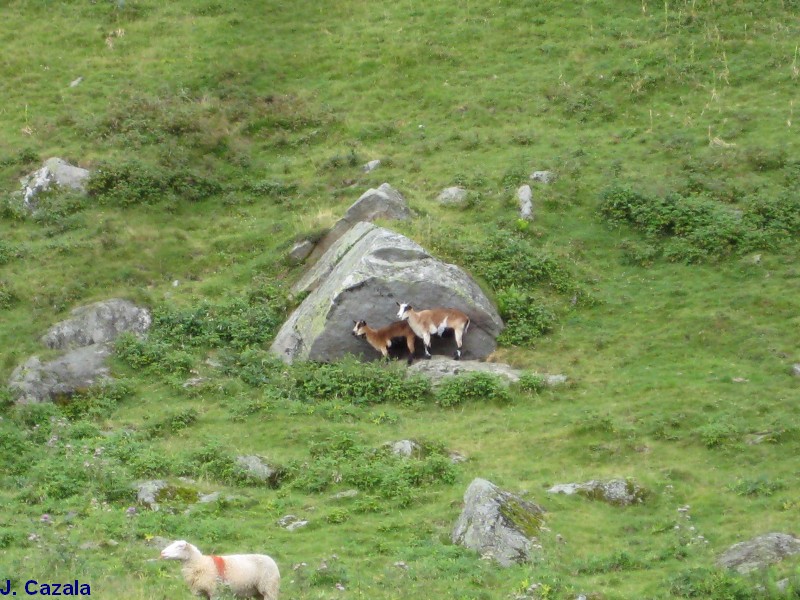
[(401, 565), (339, 587), (371, 166), (300, 251), (345, 494), (452, 196), (208, 498), (76, 82), (796, 370), (543, 176), (524, 196), (296, 525)]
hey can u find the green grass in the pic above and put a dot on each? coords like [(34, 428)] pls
[(224, 131)]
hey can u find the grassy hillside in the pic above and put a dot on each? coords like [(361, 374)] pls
[(660, 275)]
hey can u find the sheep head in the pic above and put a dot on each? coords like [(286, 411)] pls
[(402, 314), (179, 550), (360, 328)]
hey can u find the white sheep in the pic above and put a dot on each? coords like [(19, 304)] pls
[(247, 575), (436, 321)]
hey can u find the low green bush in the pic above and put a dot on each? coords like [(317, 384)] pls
[(471, 387)]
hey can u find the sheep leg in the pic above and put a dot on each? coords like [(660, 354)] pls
[(459, 333), (426, 340)]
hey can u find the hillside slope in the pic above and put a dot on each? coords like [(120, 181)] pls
[(660, 275)]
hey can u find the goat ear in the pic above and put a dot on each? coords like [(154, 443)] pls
[(355, 322)]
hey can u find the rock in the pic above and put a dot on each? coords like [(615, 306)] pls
[(619, 492), (35, 382), (498, 523), (97, 323), (76, 82), (286, 520), (362, 276), (371, 166), (525, 196), (209, 498), (796, 369), (147, 492), (406, 448), (382, 203), (291, 522), (543, 176), (438, 368), (55, 171), (759, 552), (296, 525), (300, 251), (255, 468), (456, 457), (453, 196), (345, 494)]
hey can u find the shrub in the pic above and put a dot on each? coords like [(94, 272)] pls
[(342, 459), (8, 297), (526, 319), (710, 584), (99, 401), (532, 383), (695, 228), (720, 433), (357, 383), (133, 182), (471, 387)]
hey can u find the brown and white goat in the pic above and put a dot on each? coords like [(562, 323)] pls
[(384, 338), (435, 320)]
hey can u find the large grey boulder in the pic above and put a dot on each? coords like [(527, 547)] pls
[(498, 524), (35, 381), (619, 492), (97, 323), (362, 276), (759, 552), (55, 171), (382, 203), (440, 368)]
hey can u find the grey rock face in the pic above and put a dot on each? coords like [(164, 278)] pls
[(439, 368), (619, 492), (759, 552), (543, 176), (453, 196), (256, 468), (55, 171), (524, 196), (34, 381), (97, 323), (382, 203), (498, 524), (362, 277)]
